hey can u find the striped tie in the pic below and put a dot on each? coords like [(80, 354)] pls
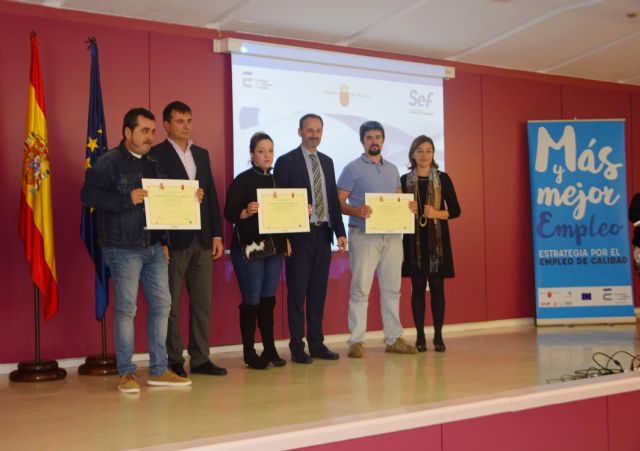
[(317, 186)]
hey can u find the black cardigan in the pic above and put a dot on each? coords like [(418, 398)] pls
[(450, 203), (242, 191)]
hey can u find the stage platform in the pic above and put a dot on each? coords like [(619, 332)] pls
[(488, 371)]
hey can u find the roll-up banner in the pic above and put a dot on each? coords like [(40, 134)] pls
[(580, 227)]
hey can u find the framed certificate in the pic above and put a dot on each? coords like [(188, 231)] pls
[(390, 213), (283, 210), (171, 204)]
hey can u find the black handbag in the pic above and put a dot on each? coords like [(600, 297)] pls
[(257, 249)]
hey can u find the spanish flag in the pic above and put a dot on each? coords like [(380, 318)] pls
[(36, 216)]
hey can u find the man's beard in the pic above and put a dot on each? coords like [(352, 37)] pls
[(374, 151)]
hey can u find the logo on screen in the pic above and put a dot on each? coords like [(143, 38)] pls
[(247, 79), (421, 102), (344, 94)]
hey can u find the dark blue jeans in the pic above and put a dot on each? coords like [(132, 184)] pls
[(258, 279)]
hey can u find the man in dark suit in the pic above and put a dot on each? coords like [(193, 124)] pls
[(307, 268), (191, 251)]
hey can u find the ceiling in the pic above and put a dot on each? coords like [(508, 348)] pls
[(593, 39)]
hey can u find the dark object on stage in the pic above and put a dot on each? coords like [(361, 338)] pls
[(301, 357), (325, 354), (439, 347), (178, 368), (210, 369), (37, 370), (100, 364)]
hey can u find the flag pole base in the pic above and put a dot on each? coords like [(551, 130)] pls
[(99, 365), (43, 371)]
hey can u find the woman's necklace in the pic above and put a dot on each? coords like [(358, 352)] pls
[(423, 217)]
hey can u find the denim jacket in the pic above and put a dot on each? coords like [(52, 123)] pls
[(107, 188)]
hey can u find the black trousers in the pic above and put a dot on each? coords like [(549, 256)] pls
[(307, 272)]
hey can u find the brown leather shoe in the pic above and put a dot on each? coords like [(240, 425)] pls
[(400, 347), (356, 351)]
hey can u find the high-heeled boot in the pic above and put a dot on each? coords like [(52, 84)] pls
[(265, 323), (248, 315)]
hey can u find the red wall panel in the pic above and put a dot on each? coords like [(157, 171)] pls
[(579, 425), (622, 410), (633, 165), (337, 302), (466, 296), (507, 105)]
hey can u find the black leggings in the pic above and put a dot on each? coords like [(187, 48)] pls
[(436, 287)]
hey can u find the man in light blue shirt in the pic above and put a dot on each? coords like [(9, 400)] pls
[(371, 253)]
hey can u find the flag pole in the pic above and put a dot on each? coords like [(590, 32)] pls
[(36, 229), (102, 364), (36, 319), (37, 370)]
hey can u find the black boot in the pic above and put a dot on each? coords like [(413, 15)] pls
[(248, 314), (265, 322)]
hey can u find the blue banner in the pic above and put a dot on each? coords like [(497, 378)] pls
[(579, 212)]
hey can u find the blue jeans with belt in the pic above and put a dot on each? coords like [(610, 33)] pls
[(148, 267), (257, 279)]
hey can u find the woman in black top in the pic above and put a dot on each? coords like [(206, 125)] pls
[(256, 258), (427, 253)]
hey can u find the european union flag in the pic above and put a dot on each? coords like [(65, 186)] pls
[(96, 146)]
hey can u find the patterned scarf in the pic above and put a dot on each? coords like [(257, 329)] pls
[(434, 229)]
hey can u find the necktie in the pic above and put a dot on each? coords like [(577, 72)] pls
[(317, 186)]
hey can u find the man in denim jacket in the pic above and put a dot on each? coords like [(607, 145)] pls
[(133, 254)]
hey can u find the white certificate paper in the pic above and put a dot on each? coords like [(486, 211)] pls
[(283, 210), (171, 204), (390, 213)]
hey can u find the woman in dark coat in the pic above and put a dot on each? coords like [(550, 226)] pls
[(256, 258), (427, 253)]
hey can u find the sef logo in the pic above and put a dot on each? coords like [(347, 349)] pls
[(421, 100)]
